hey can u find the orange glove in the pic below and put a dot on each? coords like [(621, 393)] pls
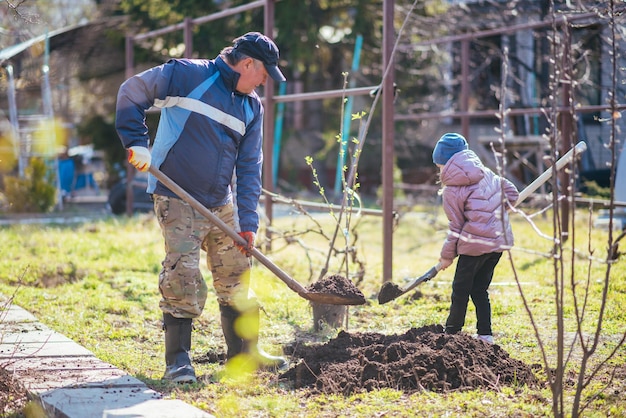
[(249, 237), (139, 157)]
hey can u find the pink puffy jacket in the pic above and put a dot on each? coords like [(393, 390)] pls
[(475, 201)]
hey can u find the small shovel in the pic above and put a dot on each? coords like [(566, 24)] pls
[(317, 297), (390, 291)]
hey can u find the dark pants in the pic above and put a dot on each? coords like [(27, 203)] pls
[(472, 278)]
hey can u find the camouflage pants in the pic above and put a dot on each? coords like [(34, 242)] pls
[(186, 232)]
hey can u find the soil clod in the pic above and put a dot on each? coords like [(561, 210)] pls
[(389, 291)]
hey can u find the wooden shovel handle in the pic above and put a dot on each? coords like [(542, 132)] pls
[(545, 176), (180, 192)]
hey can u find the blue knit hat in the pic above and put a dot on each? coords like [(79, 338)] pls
[(448, 145)]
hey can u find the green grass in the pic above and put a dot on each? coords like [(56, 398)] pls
[(97, 284)]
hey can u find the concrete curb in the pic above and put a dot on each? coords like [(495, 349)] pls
[(69, 381)]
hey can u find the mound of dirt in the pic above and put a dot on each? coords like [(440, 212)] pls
[(421, 359), (336, 284)]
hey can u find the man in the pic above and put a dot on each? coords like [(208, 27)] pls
[(210, 126)]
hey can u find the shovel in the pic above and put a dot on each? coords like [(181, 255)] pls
[(317, 297), (390, 291)]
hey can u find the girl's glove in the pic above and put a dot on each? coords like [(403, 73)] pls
[(249, 237), (444, 263), (139, 157)]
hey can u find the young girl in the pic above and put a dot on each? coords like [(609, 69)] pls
[(475, 201)]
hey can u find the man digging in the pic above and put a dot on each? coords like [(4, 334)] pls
[(210, 126)]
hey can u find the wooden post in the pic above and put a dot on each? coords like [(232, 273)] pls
[(268, 129), (566, 122), (188, 37), (130, 171), (388, 139)]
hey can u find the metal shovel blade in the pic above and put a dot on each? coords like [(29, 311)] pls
[(390, 291), (317, 297), (332, 299)]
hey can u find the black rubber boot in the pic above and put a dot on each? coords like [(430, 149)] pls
[(234, 342), (237, 345), (178, 366)]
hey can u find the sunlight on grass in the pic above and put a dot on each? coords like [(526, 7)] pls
[(239, 370), (97, 283)]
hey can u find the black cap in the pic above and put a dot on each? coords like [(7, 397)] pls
[(258, 46)]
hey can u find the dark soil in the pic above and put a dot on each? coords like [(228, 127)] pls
[(421, 359), (389, 292), (337, 285)]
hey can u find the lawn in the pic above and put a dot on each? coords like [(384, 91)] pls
[(96, 283)]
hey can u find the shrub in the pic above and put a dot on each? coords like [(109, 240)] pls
[(36, 192), (593, 189)]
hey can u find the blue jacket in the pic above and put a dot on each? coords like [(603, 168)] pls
[(207, 131)]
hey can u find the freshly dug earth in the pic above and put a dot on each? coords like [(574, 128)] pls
[(389, 292), (336, 284), (421, 359)]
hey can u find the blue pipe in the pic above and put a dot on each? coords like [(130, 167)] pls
[(347, 118), (278, 132)]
